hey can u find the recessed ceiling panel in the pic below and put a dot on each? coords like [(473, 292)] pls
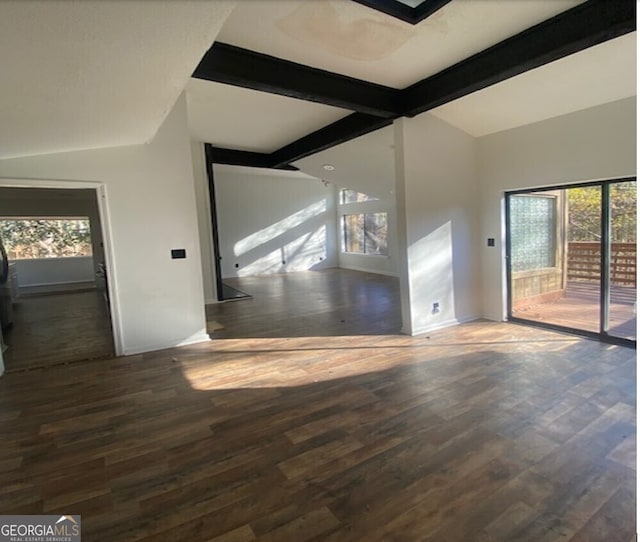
[(345, 37), (598, 75), (242, 119)]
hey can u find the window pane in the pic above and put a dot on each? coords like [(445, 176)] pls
[(353, 226), (532, 226), (45, 238), (376, 233), (351, 196)]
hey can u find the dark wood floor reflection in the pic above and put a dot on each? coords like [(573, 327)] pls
[(328, 303), (483, 432), (58, 328)]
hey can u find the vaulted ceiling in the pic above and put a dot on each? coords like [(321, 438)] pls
[(343, 68), (275, 81)]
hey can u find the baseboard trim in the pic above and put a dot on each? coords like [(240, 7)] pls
[(445, 324), (200, 337)]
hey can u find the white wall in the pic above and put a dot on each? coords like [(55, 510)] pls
[(55, 272), (267, 217), (364, 164), (150, 208), (596, 143), (438, 221), (205, 234)]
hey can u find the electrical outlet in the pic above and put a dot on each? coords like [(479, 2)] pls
[(435, 309)]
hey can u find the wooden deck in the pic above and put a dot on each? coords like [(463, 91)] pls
[(580, 308)]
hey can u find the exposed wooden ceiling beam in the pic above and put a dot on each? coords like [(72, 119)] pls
[(240, 67), (345, 129), (232, 157), (579, 28)]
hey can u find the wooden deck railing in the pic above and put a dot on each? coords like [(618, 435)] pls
[(584, 263)]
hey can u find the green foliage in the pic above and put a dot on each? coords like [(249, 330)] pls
[(45, 238), (584, 213)]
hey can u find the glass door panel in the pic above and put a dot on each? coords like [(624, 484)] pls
[(555, 258), (620, 316)]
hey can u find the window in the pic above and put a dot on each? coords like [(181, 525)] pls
[(30, 238), (351, 196), (365, 233), (533, 231)]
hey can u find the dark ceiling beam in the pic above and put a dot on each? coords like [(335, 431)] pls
[(579, 28), (232, 157), (345, 129), (248, 69), (402, 11), (584, 26)]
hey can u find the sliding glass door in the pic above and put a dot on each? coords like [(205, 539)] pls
[(620, 306), (571, 258)]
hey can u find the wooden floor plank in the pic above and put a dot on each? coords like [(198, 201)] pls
[(58, 328), (491, 432)]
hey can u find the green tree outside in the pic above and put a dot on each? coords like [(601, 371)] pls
[(584, 213), (45, 238)]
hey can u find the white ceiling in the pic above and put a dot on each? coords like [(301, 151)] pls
[(95, 73), (595, 76), (598, 75), (365, 163), (351, 39), (242, 119), (99, 73)]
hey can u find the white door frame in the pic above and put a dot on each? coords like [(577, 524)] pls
[(103, 211)]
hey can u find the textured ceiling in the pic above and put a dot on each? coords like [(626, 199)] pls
[(94, 73), (97, 73), (237, 118), (348, 38), (598, 75), (595, 76)]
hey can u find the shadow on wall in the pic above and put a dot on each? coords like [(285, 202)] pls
[(296, 243)]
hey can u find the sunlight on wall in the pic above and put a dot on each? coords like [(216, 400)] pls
[(300, 254), (431, 276), (278, 228)]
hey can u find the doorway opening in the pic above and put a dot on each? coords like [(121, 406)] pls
[(55, 305), (571, 258)]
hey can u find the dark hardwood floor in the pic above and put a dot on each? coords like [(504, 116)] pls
[(310, 303), (58, 328), (482, 432)]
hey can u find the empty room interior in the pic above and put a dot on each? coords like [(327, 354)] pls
[(319, 270)]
